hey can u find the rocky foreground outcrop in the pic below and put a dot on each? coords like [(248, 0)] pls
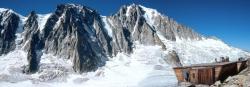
[(8, 26), (240, 80)]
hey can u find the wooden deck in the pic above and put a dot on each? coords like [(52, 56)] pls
[(208, 73)]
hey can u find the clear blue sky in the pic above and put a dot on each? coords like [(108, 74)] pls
[(228, 20)]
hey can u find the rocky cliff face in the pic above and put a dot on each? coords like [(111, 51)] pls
[(80, 34), (73, 36), (8, 26), (128, 26), (73, 32), (32, 42), (137, 23)]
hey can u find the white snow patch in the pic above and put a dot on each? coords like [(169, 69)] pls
[(143, 68), (137, 70), (19, 36), (150, 14), (59, 21), (106, 25), (3, 9), (21, 24), (128, 9), (201, 51), (204, 51), (42, 19), (14, 59)]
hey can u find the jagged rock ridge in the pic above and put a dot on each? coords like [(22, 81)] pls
[(8, 26), (137, 23), (80, 34), (69, 33)]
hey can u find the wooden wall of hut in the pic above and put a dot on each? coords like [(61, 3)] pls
[(202, 75), (179, 72), (225, 70), (208, 73), (241, 65)]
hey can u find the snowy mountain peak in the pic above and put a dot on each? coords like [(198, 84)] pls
[(148, 13), (6, 10), (73, 7), (130, 8), (155, 21), (3, 9)]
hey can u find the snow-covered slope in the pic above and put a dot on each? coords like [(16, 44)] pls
[(144, 68), (204, 51), (42, 19)]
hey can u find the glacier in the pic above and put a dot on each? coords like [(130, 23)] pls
[(143, 68)]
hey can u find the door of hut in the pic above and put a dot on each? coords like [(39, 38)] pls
[(206, 75), (202, 75)]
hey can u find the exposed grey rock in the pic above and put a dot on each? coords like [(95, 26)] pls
[(240, 80), (158, 67), (32, 57), (80, 80), (74, 32), (8, 26), (32, 33), (30, 26), (51, 75), (171, 30), (216, 84), (129, 25), (74, 37), (77, 32), (173, 59), (102, 35), (32, 43), (127, 29), (50, 72)]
